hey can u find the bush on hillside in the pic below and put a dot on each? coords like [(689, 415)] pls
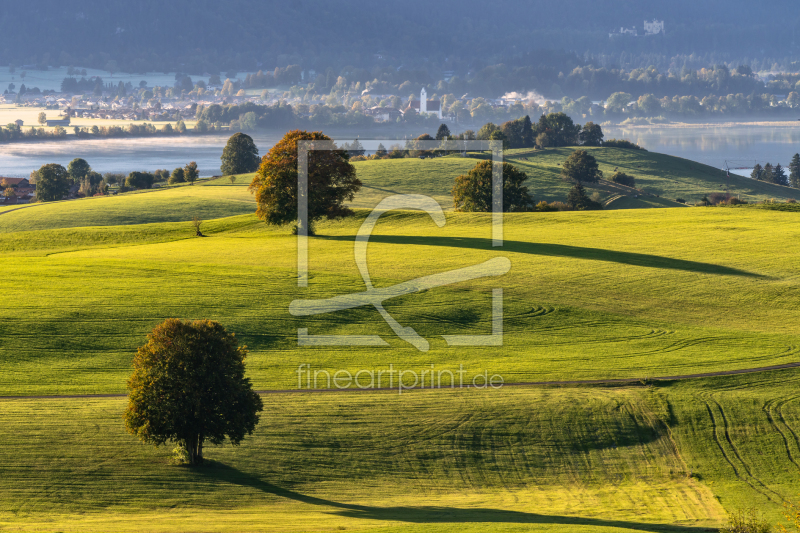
[(623, 179), (749, 521), (578, 200), (622, 143), (717, 198)]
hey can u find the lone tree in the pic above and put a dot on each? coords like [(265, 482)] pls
[(42, 118), (52, 182), (240, 155), (331, 181), (591, 134), (581, 167), (78, 168), (473, 191), (177, 176), (188, 387), (443, 133), (190, 173), (140, 180), (794, 172)]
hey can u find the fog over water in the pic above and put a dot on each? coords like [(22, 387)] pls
[(740, 146), (124, 155)]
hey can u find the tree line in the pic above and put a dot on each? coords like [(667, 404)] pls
[(54, 182), (777, 174)]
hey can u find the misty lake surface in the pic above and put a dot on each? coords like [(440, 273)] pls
[(125, 155), (740, 145)]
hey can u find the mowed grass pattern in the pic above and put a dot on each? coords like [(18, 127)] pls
[(546, 457), (578, 459)]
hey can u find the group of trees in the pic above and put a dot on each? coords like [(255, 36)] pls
[(777, 174), (145, 180), (54, 182), (555, 129), (14, 132)]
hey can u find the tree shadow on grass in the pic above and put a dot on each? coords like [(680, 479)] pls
[(559, 250), (425, 514)]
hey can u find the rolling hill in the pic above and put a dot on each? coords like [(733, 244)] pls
[(629, 293)]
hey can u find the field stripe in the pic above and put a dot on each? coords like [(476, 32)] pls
[(616, 381)]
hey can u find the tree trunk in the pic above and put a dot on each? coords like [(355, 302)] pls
[(191, 449)]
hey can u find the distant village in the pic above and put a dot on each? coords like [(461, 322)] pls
[(171, 105), (654, 27)]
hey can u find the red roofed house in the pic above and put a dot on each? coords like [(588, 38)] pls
[(423, 105), (22, 187), (384, 114)]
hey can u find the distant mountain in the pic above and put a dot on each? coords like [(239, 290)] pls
[(200, 35)]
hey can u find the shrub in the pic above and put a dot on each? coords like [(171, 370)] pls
[(359, 158), (578, 200), (717, 198), (544, 207), (622, 143), (749, 521), (680, 200), (736, 201), (623, 179), (560, 206)]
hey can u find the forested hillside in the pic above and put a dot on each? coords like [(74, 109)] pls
[(203, 35)]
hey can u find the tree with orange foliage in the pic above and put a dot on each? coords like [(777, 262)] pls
[(331, 181)]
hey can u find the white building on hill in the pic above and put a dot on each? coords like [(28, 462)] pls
[(423, 105), (653, 28)]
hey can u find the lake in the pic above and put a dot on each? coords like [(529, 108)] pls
[(739, 145), (124, 155)]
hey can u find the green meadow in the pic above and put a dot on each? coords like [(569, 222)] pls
[(662, 178), (619, 293)]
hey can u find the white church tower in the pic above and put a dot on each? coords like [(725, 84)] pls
[(423, 101)]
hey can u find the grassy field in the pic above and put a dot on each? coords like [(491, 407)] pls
[(630, 293), (634, 293), (663, 178), (669, 458)]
